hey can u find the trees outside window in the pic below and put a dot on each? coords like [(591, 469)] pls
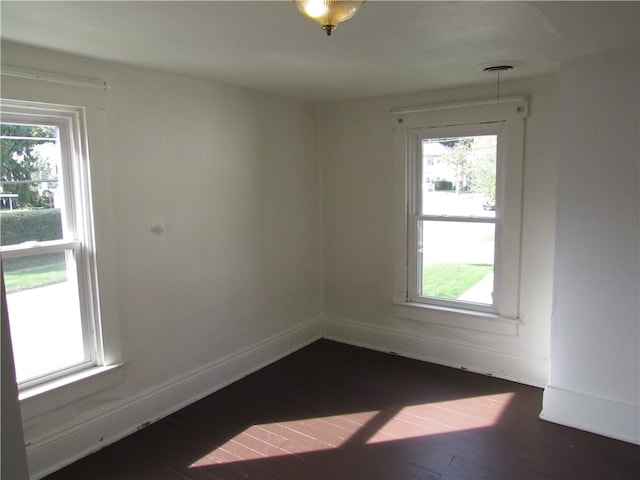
[(26, 168)]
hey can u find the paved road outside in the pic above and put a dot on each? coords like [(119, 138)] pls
[(45, 329)]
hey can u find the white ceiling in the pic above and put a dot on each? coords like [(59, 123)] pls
[(388, 48)]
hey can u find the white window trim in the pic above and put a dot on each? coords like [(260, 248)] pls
[(511, 113), (60, 391), (79, 224), (42, 87)]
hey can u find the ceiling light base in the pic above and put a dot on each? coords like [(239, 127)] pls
[(329, 29), (501, 66), (329, 13)]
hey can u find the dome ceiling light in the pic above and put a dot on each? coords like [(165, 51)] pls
[(329, 13)]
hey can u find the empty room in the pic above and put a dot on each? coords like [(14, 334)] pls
[(320, 239)]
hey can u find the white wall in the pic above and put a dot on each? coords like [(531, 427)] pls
[(233, 281), (595, 347), (356, 154)]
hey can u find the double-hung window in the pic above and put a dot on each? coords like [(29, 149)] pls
[(453, 221), (47, 245), (457, 215)]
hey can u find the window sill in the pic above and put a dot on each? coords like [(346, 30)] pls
[(456, 318), (61, 391)]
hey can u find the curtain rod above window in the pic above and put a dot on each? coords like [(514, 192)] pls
[(446, 106), (53, 77)]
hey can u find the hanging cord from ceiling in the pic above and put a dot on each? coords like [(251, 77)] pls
[(499, 67)]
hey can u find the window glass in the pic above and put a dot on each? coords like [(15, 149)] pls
[(44, 316), (455, 219), (41, 241), (459, 176), (456, 261), (30, 168)]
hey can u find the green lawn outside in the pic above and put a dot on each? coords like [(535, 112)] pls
[(448, 280), (25, 280), (33, 271)]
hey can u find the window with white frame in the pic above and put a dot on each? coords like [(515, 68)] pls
[(46, 241), (457, 215), (453, 216)]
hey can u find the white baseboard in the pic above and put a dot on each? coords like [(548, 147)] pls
[(521, 369), (592, 414), (77, 440)]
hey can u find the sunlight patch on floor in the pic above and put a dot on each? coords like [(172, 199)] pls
[(444, 417), (309, 435), (288, 438)]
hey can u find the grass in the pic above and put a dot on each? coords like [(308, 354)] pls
[(451, 280), (34, 271), (19, 281)]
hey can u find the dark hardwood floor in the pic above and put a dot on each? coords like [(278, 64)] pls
[(331, 411)]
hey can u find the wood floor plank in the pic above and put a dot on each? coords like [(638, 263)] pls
[(331, 411)]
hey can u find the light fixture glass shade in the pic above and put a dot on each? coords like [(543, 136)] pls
[(329, 13)]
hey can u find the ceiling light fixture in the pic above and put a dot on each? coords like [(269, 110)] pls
[(329, 13), (499, 67)]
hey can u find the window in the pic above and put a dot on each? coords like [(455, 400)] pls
[(457, 215), (453, 217), (46, 241)]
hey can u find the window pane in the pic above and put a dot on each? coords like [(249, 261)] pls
[(459, 176), (30, 168), (44, 316), (456, 261), (23, 225)]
